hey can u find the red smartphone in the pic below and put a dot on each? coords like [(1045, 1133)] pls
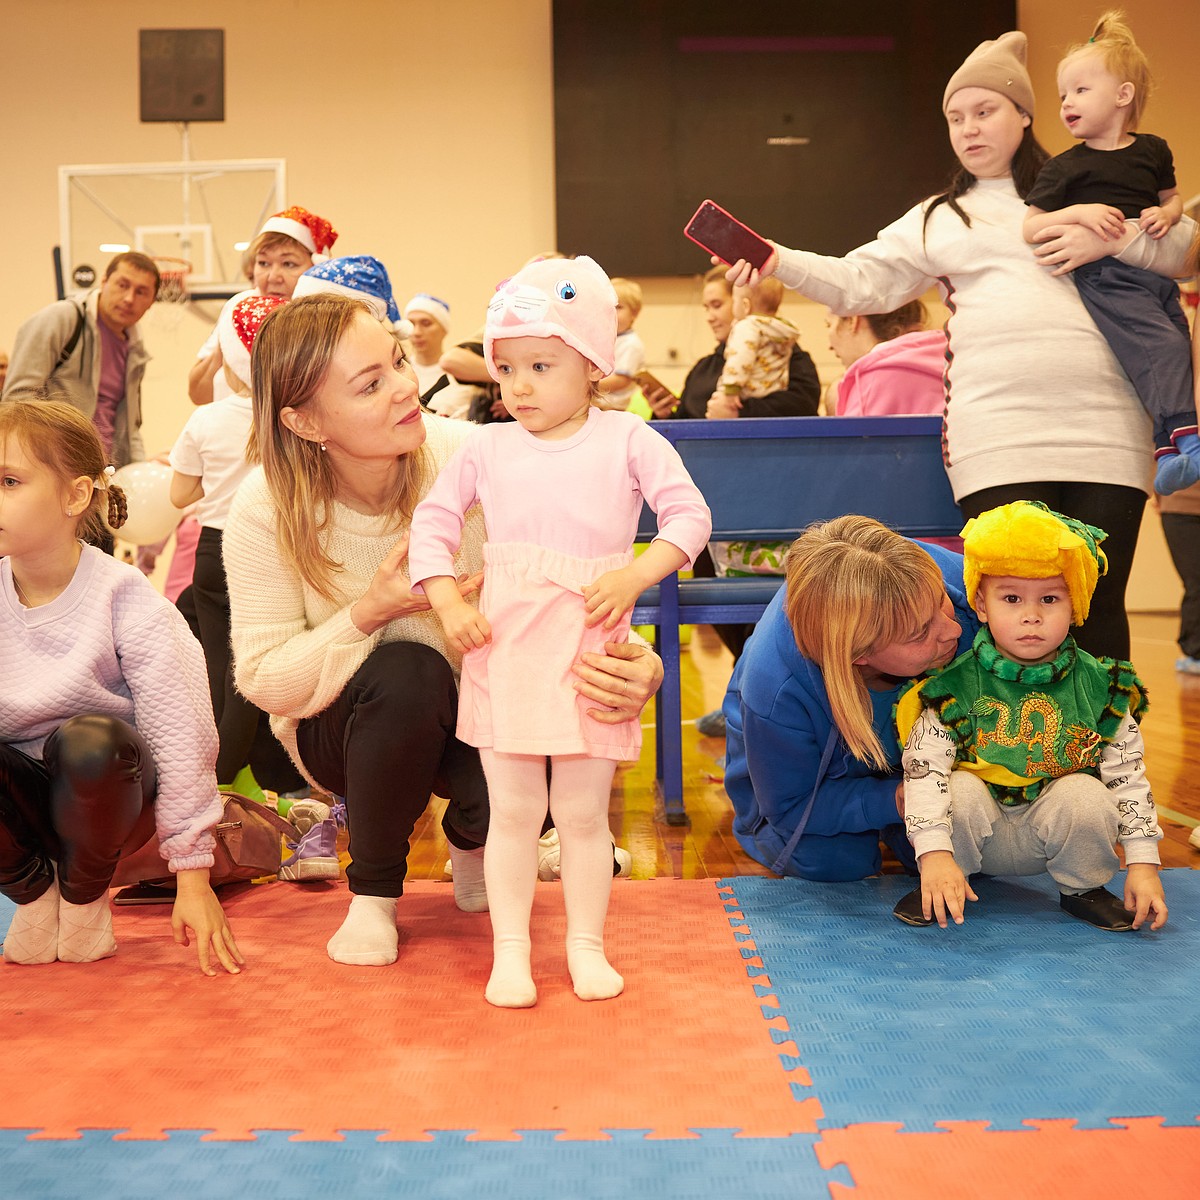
[(725, 236)]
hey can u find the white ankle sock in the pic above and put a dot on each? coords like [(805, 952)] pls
[(368, 936), (592, 976), (32, 937), (470, 892), (85, 931), (511, 984)]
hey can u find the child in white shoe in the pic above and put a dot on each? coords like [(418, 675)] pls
[(562, 488), (106, 730)]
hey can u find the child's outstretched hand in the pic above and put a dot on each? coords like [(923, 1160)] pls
[(611, 596), (1155, 221), (944, 888), (1102, 219), (1144, 895)]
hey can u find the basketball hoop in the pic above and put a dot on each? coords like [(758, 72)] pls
[(173, 273)]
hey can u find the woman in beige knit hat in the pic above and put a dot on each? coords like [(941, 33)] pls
[(1037, 407)]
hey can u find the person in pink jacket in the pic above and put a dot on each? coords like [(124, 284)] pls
[(894, 365), (562, 487)]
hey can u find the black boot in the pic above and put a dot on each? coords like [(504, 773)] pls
[(1098, 907)]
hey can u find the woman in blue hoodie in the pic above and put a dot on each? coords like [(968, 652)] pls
[(812, 762)]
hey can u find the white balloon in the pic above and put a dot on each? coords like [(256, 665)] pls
[(152, 516)]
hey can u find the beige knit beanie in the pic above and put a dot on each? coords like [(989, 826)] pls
[(998, 66)]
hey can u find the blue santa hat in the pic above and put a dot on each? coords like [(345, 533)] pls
[(360, 276)]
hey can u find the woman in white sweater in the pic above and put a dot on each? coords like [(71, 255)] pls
[(1037, 407), (327, 634)]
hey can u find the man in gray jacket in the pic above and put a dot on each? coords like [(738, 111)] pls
[(90, 353)]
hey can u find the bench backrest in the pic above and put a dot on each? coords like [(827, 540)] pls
[(766, 479)]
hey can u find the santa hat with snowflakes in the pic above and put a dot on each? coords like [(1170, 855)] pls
[(238, 326), (360, 276)]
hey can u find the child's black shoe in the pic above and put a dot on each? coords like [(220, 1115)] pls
[(908, 909), (1097, 907)]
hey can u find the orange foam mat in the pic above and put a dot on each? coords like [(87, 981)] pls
[(1136, 1159), (144, 1042)]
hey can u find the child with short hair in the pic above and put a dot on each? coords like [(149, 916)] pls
[(1024, 754), (561, 488), (759, 347), (106, 730), (629, 355), (1117, 174)]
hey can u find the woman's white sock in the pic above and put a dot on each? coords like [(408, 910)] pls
[(368, 936), (85, 931), (470, 890), (32, 937)]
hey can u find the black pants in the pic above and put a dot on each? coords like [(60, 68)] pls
[(88, 801), (387, 744), (243, 731), (734, 637), (1115, 509), (1182, 531)]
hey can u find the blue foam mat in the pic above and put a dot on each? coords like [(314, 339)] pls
[(449, 1167), (1022, 1012)]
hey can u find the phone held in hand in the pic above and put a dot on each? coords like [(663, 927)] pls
[(725, 236), (649, 384)]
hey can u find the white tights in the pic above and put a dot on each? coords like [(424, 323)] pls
[(578, 801)]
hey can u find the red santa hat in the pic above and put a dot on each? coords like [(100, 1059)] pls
[(314, 233), (238, 326)]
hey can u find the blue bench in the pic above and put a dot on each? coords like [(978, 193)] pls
[(766, 479)]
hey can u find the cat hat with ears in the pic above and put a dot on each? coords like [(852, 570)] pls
[(567, 298), (1027, 540)]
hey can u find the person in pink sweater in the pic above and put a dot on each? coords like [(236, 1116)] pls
[(562, 486), (894, 365), (106, 730)]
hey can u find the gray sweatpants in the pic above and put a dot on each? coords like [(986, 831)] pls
[(1068, 831)]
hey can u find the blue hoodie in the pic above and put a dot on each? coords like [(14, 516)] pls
[(777, 724)]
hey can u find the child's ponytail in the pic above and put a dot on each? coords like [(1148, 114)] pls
[(1123, 58)]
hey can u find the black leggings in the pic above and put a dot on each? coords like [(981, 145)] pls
[(244, 735), (387, 744), (1115, 509), (88, 801)]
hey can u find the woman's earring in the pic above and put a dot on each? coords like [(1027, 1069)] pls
[(322, 445)]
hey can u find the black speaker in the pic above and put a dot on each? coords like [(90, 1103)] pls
[(182, 74)]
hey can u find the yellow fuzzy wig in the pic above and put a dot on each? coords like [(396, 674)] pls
[(1027, 540)]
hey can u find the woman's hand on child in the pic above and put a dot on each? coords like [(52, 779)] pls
[(1144, 895), (622, 679), (389, 594), (722, 406), (742, 274), (611, 597), (944, 888), (197, 909), (1062, 248)]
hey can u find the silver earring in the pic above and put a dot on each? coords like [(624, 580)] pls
[(322, 445)]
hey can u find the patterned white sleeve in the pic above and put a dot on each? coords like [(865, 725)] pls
[(1123, 772), (928, 760)]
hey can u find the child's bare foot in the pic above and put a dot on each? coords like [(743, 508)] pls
[(511, 984), (592, 976)]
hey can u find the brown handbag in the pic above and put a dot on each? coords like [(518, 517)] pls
[(248, 846)]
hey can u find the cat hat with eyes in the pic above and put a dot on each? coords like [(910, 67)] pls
[(567, 298), (1027, 540)]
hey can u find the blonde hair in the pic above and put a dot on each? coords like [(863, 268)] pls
[(855, 586), (628, 292), (64, 441), (766, 296), (289, 366), (1123, 58)]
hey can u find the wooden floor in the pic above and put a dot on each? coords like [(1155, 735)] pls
[(705, 848)]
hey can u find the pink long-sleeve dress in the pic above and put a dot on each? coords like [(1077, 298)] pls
[(558, 514)]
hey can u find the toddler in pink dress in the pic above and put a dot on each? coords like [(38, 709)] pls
[(561, 487)]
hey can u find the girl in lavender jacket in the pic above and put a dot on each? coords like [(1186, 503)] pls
[(106, 729)]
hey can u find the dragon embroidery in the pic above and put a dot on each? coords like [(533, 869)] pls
[(1080, 745)]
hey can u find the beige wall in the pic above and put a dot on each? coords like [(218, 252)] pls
[(423, 131)]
